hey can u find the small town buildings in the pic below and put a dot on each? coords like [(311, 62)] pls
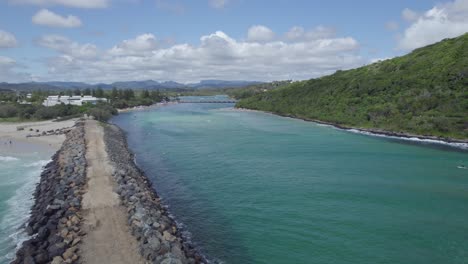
[(71, 100)]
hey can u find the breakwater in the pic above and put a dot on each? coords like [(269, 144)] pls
[(58, 225), (158, 236), (54, 224)]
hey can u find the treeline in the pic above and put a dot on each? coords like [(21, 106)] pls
[(129, 98), (424, 93), (236, 92), (17, 107), (24, 112)]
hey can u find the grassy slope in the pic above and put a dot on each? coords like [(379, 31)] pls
[(424, 93)]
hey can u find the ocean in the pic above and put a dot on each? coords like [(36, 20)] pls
[(251, 187), (19, 173)]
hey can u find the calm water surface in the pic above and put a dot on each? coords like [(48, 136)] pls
[(257, 188)]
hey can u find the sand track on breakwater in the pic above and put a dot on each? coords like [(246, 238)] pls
[(108, 238)]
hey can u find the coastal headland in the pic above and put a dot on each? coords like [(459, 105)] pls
[(94, 205)]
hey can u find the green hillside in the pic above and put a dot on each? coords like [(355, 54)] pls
[(424, 93)]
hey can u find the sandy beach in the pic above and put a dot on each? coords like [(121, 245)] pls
[(17, 134)]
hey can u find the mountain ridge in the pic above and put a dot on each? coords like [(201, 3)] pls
[(146, 84)]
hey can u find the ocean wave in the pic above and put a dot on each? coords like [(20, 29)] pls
[(40, 163), (415, 139), (8, 158), (18, 211)]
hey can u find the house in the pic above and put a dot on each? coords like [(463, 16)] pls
[(71, 100)]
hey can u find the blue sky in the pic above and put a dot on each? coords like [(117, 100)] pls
[(182, 40)]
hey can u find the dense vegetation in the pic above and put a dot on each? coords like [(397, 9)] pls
[(32, 109), (235, 92), (251, 90), (129, 98), (25, 112), (424, 93)]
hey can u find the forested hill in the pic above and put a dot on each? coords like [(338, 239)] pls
[(423, 93)]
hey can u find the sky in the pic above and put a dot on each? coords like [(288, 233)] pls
[(103, 41)]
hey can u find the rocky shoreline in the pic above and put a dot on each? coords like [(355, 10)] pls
[(54, 224), (159, 239)]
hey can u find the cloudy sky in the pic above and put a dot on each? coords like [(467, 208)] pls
[(191, 40)]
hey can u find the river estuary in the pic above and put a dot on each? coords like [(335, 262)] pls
[(252, 187)]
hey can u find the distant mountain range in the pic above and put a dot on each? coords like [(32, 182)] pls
[(149, 85)]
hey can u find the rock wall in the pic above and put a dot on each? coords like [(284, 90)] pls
[(159, 239), (54, 224)]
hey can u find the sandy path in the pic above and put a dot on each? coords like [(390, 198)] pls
[(108, 238)]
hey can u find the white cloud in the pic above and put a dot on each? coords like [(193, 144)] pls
[(48, 18), (409, 15), (260, 33), (442, 21), (6, 62), (295, 33), (68, 3), (319, 32), (139, 45), (7, 40), (217, 56), (218, 4), (65, 46)]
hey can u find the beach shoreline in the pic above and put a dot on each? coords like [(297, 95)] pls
[(24, 136), (452, 142)]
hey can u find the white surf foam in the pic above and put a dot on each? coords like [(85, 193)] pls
[(7, 158), (415, 139), (40, 163), (18, 210)]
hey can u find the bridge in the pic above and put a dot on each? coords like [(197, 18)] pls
[(208, 102)]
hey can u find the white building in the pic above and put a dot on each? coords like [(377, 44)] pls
[(72, 100)]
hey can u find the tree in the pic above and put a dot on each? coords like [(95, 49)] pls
[(99, 92), (77, 91), (145, 94), (114, 93), (128, 94), (87, 91)]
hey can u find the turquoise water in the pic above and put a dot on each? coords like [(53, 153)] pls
[(19, 172), (252, 187)]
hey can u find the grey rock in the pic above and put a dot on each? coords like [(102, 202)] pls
[(42, 257), (57, 260), (154, 243), (29, 260), (56, 249), (171, 260)]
